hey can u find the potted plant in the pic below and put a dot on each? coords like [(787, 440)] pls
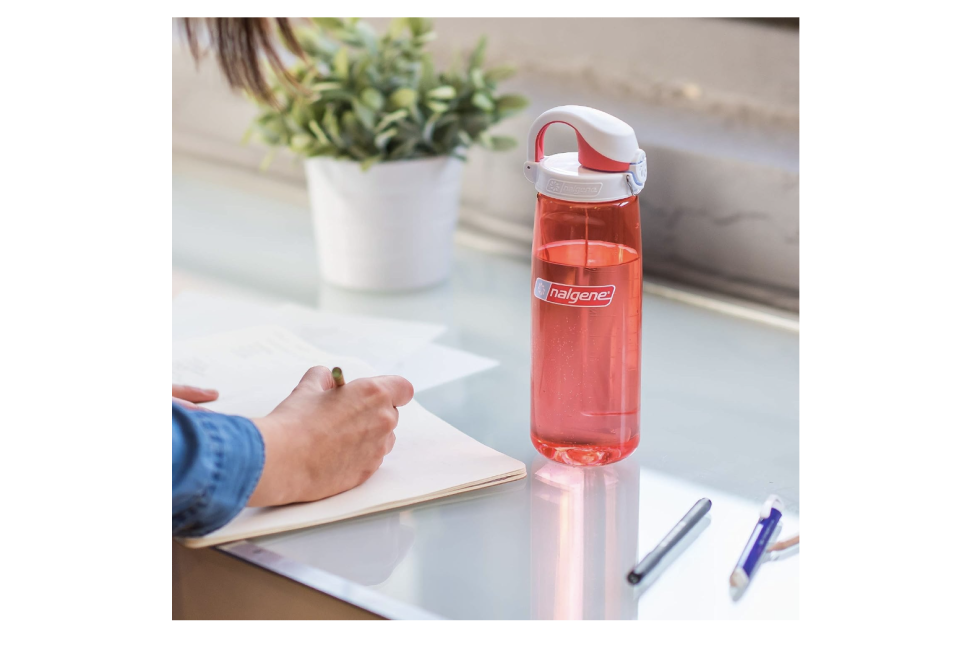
[(383, 135)]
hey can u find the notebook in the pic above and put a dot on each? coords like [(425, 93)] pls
[(256, 368)]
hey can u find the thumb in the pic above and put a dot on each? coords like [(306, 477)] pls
[(317, 378)]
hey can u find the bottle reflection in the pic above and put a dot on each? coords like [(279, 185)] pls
[(585, 529)]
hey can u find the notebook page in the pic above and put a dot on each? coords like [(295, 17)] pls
[(255, 368)]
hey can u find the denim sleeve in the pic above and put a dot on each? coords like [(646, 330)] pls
[(217, 462)]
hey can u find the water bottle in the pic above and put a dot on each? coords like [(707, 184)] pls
[(587, 289)]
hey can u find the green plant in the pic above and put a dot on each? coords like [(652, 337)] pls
[(373, 98)]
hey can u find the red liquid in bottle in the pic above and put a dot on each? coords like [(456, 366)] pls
[(586, 342)]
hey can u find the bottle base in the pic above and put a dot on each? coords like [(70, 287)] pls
[(584, 454)]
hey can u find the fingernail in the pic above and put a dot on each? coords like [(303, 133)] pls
[(208, 391)]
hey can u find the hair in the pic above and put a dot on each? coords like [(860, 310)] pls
[(238, 43)]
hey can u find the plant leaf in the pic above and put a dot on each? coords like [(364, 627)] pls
[(368, 37), (301, 142), (502, 143), (369, 161), (320, 135), (372, 98), (404, 97), (427, 74), (476, 78), (501, 73), (341, 64), (384, 137), (445, 92), (476, 59), (332, 128), (430, 125), (420, 26), (483, 102), (365, 115), (392, 117), (397, 27), (404, 150), (300, 114), (329, 23), (509, 103)]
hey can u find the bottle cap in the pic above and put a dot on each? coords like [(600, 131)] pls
[(608, 165)]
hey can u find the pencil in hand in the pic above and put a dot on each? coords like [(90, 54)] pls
[(338, 380)]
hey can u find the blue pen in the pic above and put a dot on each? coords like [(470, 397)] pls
[(769, 516)]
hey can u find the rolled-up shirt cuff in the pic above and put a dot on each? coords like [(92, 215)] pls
[(227, 468)]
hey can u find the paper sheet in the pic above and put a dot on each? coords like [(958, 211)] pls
[(436, 364), (388, 345), (380, 342), (700, 576), (255, 368)]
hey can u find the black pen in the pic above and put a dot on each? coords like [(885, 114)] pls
[(690, 520)]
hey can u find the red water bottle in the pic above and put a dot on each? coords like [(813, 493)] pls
[(587, 288)]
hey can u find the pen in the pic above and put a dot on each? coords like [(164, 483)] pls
[(685, 525), (338, 380), (769, 516)]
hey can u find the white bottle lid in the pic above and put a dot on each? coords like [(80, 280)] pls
[(608, 166)]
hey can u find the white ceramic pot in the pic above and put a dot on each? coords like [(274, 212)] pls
[(388, 228)]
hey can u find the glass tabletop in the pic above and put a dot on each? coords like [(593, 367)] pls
[(719, 412)]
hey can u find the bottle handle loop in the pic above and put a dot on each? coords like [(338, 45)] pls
[(605, 143)]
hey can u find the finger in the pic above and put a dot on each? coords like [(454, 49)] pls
[(317, 377), (186, 404), (392, 417), (194, 394), (399, 389), (390, 442)]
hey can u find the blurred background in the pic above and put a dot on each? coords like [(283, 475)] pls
[(714, 102)]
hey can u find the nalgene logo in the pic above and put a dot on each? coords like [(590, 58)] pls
[(572, 295), (558, 187)]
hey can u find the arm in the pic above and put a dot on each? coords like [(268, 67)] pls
[(217, 461), (319, 441)]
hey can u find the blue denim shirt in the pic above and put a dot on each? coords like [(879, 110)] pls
[(217, 462)]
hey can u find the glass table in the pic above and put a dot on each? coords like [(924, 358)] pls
[(719, 412)]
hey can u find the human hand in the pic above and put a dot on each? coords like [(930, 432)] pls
[(188, 396), (322, 440)]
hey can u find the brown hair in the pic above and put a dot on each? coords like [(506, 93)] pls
[(238, 43)]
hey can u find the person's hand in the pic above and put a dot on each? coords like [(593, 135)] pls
[(322, 440), (188, 396)]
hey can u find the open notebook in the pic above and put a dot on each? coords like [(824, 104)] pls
[(256, 368)]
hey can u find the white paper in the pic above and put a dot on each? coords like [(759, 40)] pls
[(700, 576), (437, 364), (255, 368), (380, 342)]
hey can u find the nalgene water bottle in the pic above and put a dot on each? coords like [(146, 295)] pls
[(586, 289)]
